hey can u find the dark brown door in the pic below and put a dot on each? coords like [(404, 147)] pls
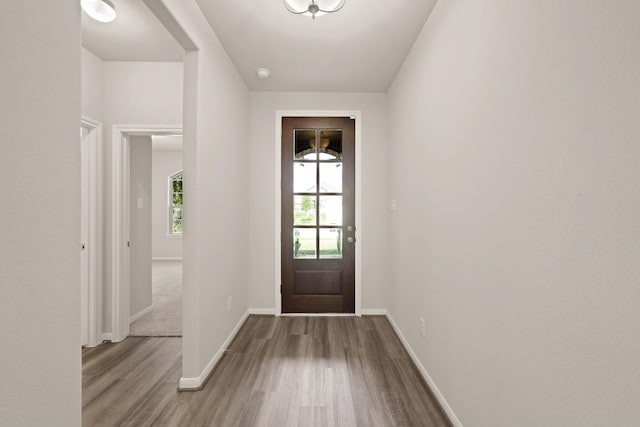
[(318, 215)]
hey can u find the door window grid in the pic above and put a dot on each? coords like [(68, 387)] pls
[(317, 196)]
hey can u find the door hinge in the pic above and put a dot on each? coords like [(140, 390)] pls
[(128, 244), (281, 288)]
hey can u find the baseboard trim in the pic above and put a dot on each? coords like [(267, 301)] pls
[(195, 384), (262, 311), (166, 259), (140, 314), (374, 312), (107, 336), (432, 385)]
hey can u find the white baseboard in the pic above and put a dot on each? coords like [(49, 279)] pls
[(141, 313), (190, 384), (263, 311), (166, 259), (107, 336), (374, 312), (432, 385)]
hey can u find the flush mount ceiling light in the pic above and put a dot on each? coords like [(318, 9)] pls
[(313, 8), (100, 10)]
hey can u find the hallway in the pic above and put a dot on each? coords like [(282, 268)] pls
[(286, 371), (165, 319)]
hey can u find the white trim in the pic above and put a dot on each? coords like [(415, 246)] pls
[(94, 244), (106, 336), (120, 220), (354, 114), (166, 259), (375, 312), (432, 385), (140, 314), (187, 384), (263, 311)]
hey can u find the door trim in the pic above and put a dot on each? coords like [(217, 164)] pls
[(94, 243), (120, 220), (357, 116)]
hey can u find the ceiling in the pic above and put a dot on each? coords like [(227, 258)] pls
[(358, 49), (135, 35)]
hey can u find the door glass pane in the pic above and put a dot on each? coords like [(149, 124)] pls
[(330, 243), (304, 243), (330, 210), (331, 177), (304, 210), (330, 144), (304, 177), (304, 144)]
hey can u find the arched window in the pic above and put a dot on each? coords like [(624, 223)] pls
[(175, 204)]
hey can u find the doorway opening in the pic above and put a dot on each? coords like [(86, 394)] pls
[(132, 241), (156, 288), (90, 245)]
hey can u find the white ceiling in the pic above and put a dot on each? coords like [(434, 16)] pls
[(358, 49), (135, 35)]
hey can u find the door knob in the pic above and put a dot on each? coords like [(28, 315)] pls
[(350, 239)]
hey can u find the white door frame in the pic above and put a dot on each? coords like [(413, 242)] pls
[(95, 220), (357, 116), (120, 221)]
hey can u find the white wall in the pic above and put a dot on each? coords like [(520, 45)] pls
[(262, 190), (92, 86), (135, 93), (216, 238), (140, 225), (40, 205), (513, 150), (165, 164)]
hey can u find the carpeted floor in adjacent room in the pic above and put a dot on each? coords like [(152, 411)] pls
[(165, 320)]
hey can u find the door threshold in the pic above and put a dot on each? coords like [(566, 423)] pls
[(318, 314)]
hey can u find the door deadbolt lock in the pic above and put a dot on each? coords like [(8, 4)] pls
[(350, 239), (350, 228)]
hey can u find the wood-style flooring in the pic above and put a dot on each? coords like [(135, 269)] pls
[(279, 371)]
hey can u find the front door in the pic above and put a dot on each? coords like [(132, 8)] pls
[(318, 215)]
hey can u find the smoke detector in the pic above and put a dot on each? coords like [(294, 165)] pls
[(262, 73)]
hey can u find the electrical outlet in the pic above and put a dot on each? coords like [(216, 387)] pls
[(423, 331), (229, 304)]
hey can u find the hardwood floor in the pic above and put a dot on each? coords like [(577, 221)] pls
[(279, 371)]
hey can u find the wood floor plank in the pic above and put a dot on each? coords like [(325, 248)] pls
[(277, 372)]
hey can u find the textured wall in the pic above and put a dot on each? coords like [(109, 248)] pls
[(514, 151), (40, 214)]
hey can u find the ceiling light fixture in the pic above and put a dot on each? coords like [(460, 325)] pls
[(100, 10), (313, 8)]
